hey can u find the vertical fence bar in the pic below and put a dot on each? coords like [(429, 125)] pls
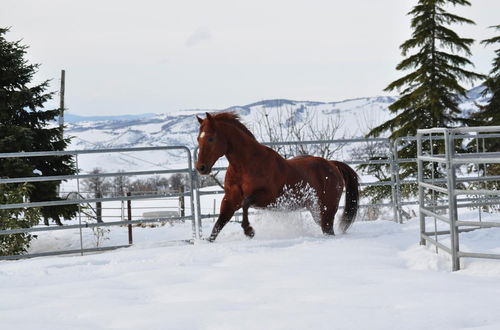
[(421, 193), (452, 198), (79, 205), (394, 197), (196, 181), (129, 218), (398, 180), (433, 192), (195, 216), (478, 169), (182, 207)]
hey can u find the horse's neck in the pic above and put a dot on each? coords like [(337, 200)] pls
[(242, 149)]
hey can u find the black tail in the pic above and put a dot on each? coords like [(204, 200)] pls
[(351, 194)]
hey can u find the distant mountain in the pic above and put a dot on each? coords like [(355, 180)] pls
[(180, 128), (71, 118), (356, 118)]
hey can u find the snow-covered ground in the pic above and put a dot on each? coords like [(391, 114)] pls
[(288, 277)]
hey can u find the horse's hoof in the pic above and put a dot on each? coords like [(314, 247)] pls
[(249, 232)]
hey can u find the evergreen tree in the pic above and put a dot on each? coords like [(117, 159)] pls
[(430, 93), (16, 218), (26, 126), (489, 114)]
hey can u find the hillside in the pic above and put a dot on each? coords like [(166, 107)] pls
[(180, 128), (354, 117)]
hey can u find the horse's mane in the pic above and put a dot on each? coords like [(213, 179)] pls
[(234, 120)]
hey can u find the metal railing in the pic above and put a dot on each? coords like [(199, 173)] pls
[(451, 161), (188, 170)]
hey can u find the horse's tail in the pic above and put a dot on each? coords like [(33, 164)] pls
[(351, 180)]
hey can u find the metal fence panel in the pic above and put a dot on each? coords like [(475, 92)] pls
[(448, 187), (188, 170)]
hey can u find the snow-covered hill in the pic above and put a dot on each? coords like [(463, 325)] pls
[(180, 128), (355, 117)]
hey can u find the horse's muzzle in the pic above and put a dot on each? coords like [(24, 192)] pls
[(203, 169)]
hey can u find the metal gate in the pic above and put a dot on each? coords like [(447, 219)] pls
[(442, 189), (77, 200)]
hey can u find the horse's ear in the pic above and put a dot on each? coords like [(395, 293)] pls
[(199, 120), (209, 116)]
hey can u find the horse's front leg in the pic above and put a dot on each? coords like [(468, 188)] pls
[(227, 209), (261, 198), (247, 229)]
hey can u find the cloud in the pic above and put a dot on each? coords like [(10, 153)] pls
[(198, 36)]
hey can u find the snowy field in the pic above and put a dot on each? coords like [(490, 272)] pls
[(288, 277)]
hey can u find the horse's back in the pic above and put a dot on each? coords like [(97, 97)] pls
[(314, 170)]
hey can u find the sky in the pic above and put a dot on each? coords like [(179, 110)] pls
[(132, 57)]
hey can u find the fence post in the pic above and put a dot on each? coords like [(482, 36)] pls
[(421, 192), (195, 193), (129, 216), (182, 206), (449, 141), (79, 204), (395, 202)]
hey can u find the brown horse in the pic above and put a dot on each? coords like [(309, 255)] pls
[(257, 176)]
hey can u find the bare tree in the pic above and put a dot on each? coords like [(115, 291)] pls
[(176, 181), (289, 124), (121, 184), (97, 187)]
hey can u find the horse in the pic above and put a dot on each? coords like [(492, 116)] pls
[(257, 176)]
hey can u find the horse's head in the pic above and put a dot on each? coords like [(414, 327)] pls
[(211, 144)]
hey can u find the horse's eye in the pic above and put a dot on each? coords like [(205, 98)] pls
[(210, 139)]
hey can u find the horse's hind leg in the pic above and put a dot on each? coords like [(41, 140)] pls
[(247, 229), (327, 216)]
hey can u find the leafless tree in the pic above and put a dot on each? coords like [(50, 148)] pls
[(121, 184), (97, 187), (176, 181), (289, 124)]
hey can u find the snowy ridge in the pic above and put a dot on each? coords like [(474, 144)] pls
[(181, 127), (356, 118)]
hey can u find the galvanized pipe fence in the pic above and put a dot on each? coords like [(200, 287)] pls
[(389, 157), (439, 199), (161, 170)]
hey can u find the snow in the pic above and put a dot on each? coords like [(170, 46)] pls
[(289, 276)]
